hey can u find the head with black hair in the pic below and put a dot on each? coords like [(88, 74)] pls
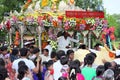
[(21, 63), (23, 52), (97, 46), (107, 65), (89, 59), (22, 70), (3, 73), (82, 46), (15, 51), (31, 49), (74, 69), (53, 55), (100, 70), (4, 50), (49, 65), (36, 51), (65, 34), (62, 78), (93, 54), (60, 53), (63, 60), (2, 62), (45, 52), (70, 54)]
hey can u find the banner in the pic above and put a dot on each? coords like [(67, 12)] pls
[(84, 14)]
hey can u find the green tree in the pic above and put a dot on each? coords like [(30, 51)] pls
[(93, 4)]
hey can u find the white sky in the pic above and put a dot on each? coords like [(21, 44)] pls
[(112, 6)]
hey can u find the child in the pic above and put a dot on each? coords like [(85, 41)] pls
[(23, 72), (49, 73), (75, 72), (99, 73), (65, 67)]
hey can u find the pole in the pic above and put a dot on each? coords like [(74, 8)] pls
[(39, 38), (10, 36), (89, 38), (21, 25)]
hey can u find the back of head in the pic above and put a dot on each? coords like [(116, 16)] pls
[(63, 60), (36, 50), (74, 69), (89, 59), (60, 54), (22, 70), (23, 52), (108, 74), (21, 63), (100, 70), (15, 51), (62, 78), (3, 73)]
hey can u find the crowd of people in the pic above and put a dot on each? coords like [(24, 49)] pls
[(27, 64)]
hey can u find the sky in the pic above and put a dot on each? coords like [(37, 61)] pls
[(112, 6)]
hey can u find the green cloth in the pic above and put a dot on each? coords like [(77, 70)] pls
[(88, 73)]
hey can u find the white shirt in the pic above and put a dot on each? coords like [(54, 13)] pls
[(62, 42), (117, 60), (49, 48), (45, 58), (57, 66), (29, 63)]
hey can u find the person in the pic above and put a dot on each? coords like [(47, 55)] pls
[(88, 71), (29, 63), (24, 73), (37, 76), (3, 73), (65, 67), (35, 53), (75, 72), (57, 65), (96, 48), (64, 42), (45, 56), (53, 56), (2, 62), (3, 51), (99, 73), (108, 74), (107, 65), (14, 54), (49, 47), (81, 53), (70, 55), (49, 73)]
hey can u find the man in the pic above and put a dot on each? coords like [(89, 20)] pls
[(29, 63), (49, 47), (45, 56), (64, 42), (57, 66)]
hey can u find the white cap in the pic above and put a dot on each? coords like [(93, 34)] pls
[(26, 43)]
